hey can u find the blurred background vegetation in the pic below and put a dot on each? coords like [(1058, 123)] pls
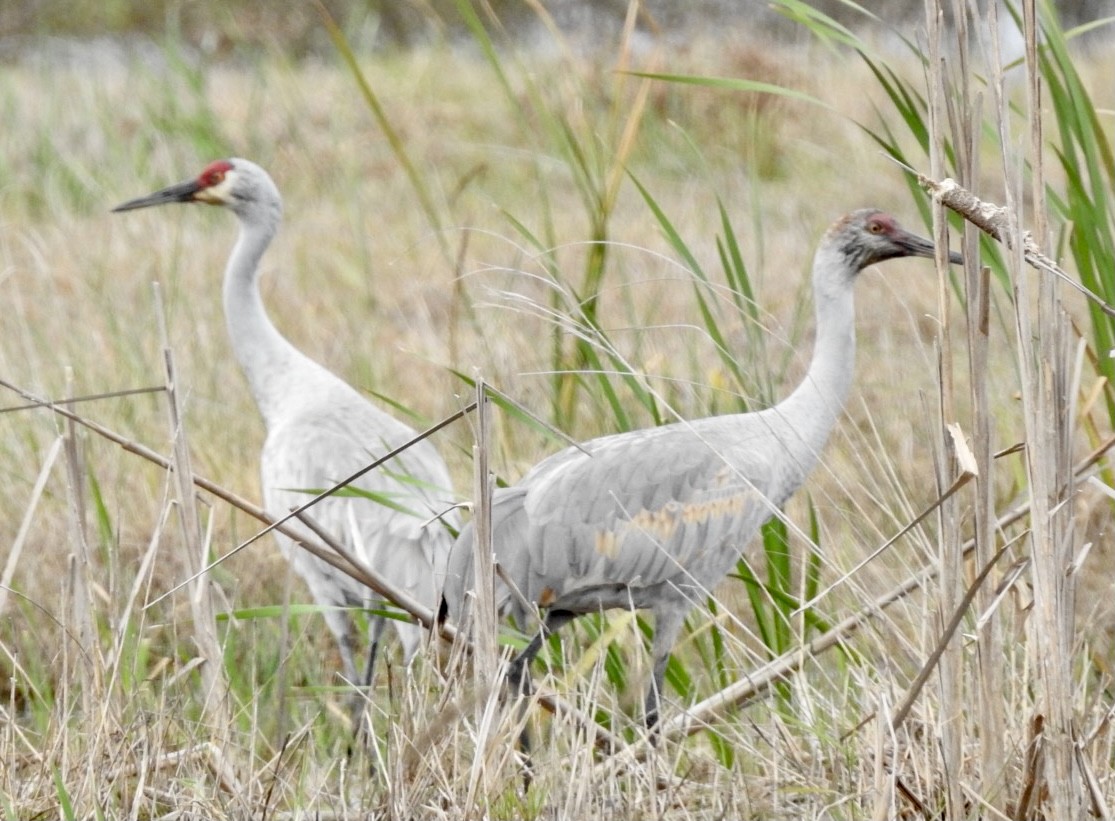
[(611, 251), (237, 28)]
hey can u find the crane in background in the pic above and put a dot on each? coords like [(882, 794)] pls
[(653, 519), (320, 430)]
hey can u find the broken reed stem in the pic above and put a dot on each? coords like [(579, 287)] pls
[(986, 666), (275, 524), (694, 719), (331, 551), (334, 557), (213, 675), (689, 722), (32, 505), (81, 604), (484, 627), (942, 92), (994, 220), (1044, 359), (1048, 393)]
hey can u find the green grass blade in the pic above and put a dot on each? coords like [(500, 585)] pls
[(735, 84), (65, 803), (398, 146)]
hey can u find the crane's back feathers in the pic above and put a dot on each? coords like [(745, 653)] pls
[(652, 519), (633, 519)]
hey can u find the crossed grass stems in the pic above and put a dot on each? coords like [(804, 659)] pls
[(1086, 160), (693, 719)]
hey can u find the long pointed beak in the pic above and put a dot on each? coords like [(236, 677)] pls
[(916, 246), (182, 192)]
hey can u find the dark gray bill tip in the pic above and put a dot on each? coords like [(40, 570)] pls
[(182, 192), (917, 246)]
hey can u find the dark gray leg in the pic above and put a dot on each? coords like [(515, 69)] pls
[(375, 635), (518, 671), (667, 625), (518, 676), (341, 626), (364, 684)]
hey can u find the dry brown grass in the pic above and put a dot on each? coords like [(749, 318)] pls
[(357, 281)]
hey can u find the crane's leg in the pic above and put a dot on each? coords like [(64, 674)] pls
[(364, 683), (518, 676), (518, 671), (375, 634), (667, 625), (341, 625), (409, 637)]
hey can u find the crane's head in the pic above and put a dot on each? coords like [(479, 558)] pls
[(867, 236), (238, 184)]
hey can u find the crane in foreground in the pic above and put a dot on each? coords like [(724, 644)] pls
[(652, 519), (320, 430)]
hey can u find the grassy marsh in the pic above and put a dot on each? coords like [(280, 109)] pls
[(363, 281)]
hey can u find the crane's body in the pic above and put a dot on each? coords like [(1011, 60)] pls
[(332, 434), (321, 430), (653, 519)]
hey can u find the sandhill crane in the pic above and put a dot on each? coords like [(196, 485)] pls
[(652, 519), (320, 430)]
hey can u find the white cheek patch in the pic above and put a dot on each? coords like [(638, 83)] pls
[(221, 193)]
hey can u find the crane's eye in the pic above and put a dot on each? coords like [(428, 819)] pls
[(875, 227), (214, 177)]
